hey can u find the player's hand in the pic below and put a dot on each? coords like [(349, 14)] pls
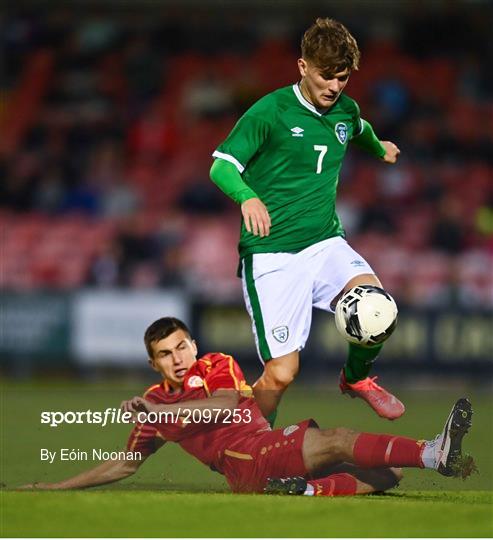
[(137, 404), (35, 485), (391, 152), (256, 217)]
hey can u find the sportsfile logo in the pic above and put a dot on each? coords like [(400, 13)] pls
[(117, 416), (297, 132)]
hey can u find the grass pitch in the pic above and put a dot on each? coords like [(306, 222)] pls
[(163, 514), (174, 495)]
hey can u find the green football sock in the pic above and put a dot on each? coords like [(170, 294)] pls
[(359, 362), (271, 418)]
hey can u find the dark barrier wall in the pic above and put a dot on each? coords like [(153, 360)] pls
[(46, 328), (434, 339), (35, 324)]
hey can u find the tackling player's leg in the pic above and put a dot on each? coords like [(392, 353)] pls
[(355, 482), (322, 448), (355, 380)]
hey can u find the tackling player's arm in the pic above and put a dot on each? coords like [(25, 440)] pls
[(143, 441), (223, 399), (104, 473)]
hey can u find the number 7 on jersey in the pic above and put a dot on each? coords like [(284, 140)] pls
[(323, 150)]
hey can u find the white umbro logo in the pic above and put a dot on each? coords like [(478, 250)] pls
[(297, 132)]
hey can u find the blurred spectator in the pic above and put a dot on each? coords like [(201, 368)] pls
[(392, 101), (49, 192), (484, 219), (377, 218), (137, 244), (143, 70), (152, 135), (475, 279), (449, 229), (105, 170), (202, 197), (17, 189), (83, 197), (105, 269), (97, 33), (208, 97)]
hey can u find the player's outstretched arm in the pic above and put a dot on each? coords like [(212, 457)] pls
[(224, 400), (367, 140), (391, 152), (104, 473)]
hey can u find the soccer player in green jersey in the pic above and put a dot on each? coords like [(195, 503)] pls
[(281, 163)]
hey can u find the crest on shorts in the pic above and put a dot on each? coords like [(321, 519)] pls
[(281, 333), (195, 382), (290, 429), (341, 132)]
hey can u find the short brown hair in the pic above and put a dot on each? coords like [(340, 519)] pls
[(161, 329), (329, 46)]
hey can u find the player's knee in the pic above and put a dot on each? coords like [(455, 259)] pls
[(343, 434), (339, 442), (363, 279), (279, 376)]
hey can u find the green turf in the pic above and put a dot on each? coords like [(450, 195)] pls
[(154, 513), (174, 495)]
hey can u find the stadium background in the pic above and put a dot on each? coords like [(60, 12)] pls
[(110, 113)]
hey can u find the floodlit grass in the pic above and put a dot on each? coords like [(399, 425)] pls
[(157, 513), (174, 495)]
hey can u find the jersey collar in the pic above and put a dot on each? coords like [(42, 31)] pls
[(168, 389), (305, 103)]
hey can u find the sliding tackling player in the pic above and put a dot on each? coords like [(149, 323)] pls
[(299, 459)]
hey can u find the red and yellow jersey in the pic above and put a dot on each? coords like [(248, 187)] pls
[(205, 440)]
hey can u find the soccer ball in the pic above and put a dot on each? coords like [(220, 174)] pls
[(366, 315)]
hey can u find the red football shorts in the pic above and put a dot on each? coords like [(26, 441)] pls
[(247, 464)]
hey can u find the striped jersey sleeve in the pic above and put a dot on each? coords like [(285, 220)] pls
[(357, 120), (249, 134), (145, 438), (222, 372)]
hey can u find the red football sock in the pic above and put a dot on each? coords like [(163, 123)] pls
[(386, 451), (335, 484)]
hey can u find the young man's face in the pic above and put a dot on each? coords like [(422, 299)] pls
[(320, 88), (173, 355)]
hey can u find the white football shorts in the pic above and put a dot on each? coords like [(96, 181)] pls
[(280, 290)]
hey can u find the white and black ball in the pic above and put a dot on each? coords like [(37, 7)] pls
[(366, 315)]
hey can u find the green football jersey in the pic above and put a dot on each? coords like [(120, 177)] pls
[(290, 154)]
